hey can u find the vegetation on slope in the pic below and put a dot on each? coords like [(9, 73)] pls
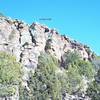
[(10, 74), (50, 81)]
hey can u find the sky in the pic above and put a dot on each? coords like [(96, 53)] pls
[(78, 19)]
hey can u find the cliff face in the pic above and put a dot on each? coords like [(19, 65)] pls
[(26, 42)]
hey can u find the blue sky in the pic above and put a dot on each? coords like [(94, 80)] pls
[(78, 19)]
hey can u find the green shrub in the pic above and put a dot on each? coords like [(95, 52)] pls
[(94, 87), (70, 57), (86, 69), (74, 78), (93, 91), (96, 63), (63, 78), (7, 90), (44, 84), (76, 68), (10, 70), (24, 94), (70, 80)]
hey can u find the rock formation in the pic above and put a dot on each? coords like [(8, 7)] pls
[(26, 42)]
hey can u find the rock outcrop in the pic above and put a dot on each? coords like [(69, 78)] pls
[(26, 42)]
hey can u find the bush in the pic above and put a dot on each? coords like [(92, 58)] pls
[(63, 78), (94, 88), (74, 78), (70, 80), (24, 94), (86, 69), (76, 68), (93, 91), (44, 84), (69, 58), (7, 90), (96, 63), (10, 70)]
